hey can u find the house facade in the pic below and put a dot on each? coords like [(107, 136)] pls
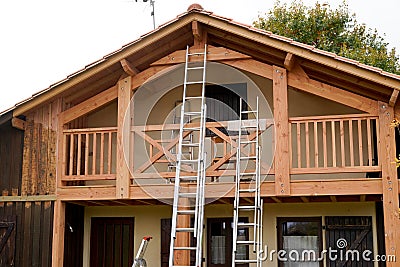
[(88, 166)]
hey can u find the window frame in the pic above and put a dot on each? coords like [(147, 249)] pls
[(281, 220)]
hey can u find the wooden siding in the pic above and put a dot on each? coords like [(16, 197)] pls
[(39, 154), (30, 245), (11, 141)]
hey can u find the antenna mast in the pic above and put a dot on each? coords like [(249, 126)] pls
[(152, 11)]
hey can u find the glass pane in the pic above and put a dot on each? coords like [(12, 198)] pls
[(218, 242), (301, 243)]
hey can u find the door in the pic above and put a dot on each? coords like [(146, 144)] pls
[(219, 242), (111, 241), (351, 236), (7, 241)]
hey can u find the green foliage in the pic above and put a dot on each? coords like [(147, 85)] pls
[(331, 30)]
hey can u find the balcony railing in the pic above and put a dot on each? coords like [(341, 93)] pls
[(89, 154), (337, 144), (334, 144)]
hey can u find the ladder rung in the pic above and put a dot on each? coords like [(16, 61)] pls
[(185, 229), (248, 111), (245, 225), (248, 142), (246, 261), (195, 82), (249, 126), (186, 212), (189, 161), (247, 173), (193, 97), (248, 157), (192, 129), (191, 195), (195, 68), (250, 190), (190, 144), (191, 113), (197, 54), (246, 207), (245, 242), (188, 178), (185, 248)]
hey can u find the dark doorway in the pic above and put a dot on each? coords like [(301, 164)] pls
[(219, 242), (111, 241), (223, 103)]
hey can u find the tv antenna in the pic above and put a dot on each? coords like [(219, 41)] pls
[(152, 11)]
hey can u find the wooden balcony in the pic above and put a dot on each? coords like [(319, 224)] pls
[(327, 145)]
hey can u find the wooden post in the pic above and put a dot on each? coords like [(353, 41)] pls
[(387, 154), (182, 257), (58, 234), (123, 176), (281, 118)]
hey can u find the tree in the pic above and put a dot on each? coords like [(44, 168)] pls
[(331, 30)]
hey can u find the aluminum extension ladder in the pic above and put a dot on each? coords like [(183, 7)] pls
[(195, 164), (254, 228)]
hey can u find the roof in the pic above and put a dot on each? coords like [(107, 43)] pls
[(217, 25)]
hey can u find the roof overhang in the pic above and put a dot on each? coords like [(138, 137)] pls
[(260, 44)]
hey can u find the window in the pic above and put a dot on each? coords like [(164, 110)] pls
[(301, 239)]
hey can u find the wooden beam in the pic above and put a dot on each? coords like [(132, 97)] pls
[(305, 199), (305, 188), (289, 61), (387, 152), (281, 118), (90, 105), (128, 67), (213, 54), (18, 123), (147, 74), (123, 134), (58, 234), (298, 79), (277, 200), (393, 98), (197, 30), (27, 198)]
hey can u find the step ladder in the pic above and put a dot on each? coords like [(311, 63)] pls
[(195, 76), (253, 240)]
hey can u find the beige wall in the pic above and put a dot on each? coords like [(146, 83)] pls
[(148, 221)]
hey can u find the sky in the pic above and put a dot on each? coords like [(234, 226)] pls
[(43, 41)]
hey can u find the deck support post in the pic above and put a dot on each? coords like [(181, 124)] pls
[(390, 186), (281, 119), (58, 234), (123, 176)]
